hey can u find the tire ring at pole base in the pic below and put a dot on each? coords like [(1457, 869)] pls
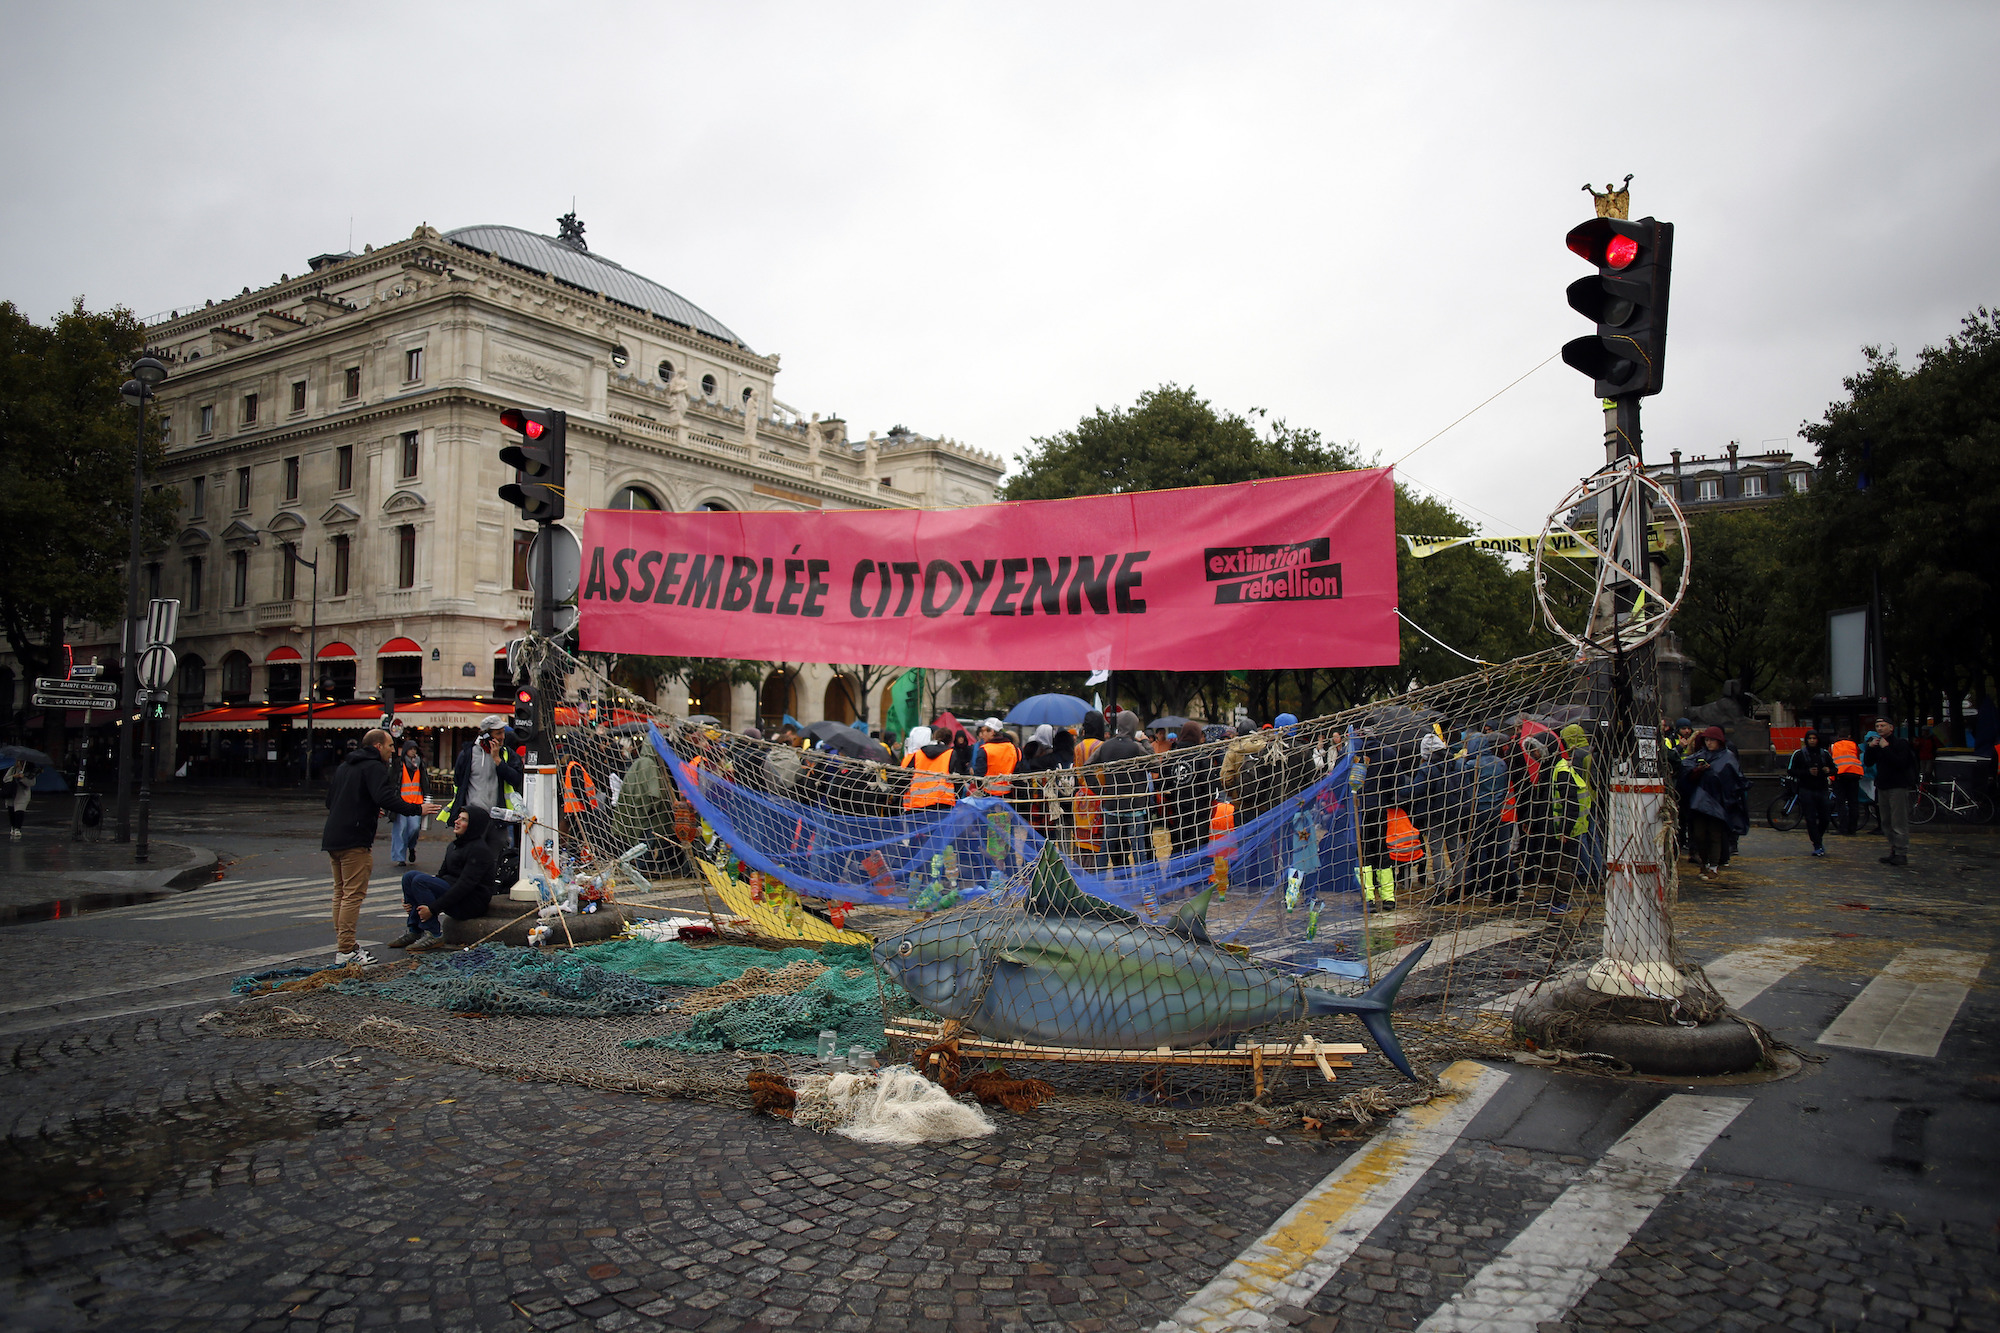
[(1725, 1046)]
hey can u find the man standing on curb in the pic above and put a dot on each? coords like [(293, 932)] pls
[(363, 787), (1895, 784)]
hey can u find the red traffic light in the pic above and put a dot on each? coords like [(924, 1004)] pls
[(515, 419), (1606, 242), (524, 698)]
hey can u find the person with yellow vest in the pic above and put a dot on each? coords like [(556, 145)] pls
[(930, 776), (483, 774), (404, 830), (1569, 819), (1847, 771)]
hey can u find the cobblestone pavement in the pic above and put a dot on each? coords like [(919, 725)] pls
[(159, 1174)]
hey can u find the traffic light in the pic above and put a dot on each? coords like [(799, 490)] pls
[(388, 704), (1627, 300), (524, 713), (539, 461)]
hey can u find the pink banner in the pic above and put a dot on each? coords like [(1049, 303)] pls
[(1293, 572)]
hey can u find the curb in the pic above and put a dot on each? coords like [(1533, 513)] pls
[(1726, 1046)]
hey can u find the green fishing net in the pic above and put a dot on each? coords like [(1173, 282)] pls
[(492, 979), (671, 963), (846, 998)]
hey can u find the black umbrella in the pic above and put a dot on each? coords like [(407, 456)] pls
[(1174, 723), (855, 745), (823, 731), (11, 755), (703, 720)]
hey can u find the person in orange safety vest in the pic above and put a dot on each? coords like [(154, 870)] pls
[(930, 778), (1847, 771)]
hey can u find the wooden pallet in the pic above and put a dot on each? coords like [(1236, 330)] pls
[(1326, 1055)]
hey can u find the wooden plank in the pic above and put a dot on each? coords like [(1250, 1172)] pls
[(1306, 1054)]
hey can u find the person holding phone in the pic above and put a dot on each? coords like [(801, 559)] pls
[(483, 774), (1812, 769)]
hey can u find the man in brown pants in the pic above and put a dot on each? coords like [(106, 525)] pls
[(363, 787)]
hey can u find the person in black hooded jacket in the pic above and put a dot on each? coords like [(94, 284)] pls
[(461, 888)]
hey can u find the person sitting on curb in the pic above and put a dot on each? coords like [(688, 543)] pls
[(462, 887)]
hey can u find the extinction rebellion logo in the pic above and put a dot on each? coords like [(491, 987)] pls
[(1287, 572)]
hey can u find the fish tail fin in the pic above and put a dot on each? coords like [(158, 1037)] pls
[(1373, 1007)]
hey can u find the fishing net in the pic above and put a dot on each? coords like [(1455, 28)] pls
[(1177, 928)]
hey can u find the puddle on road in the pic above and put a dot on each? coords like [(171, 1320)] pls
[(58, 908), (97, 1171)]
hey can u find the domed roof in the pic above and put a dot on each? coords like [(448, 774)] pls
[(578, 267)]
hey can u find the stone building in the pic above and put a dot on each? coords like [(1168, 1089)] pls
[(350, 413), (1732, 479)]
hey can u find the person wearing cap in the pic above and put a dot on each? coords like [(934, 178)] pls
[(996, 757), (1811, 769), (482, 775), (1717, 808)]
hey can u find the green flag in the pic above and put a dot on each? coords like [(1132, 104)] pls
[(906, 697)]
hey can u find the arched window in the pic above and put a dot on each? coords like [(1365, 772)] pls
[(839, 702), (714, 507), (779, 696), (666, 371), (635, 497), (708, 386), (619, 356), (191, 683), (236, 678)]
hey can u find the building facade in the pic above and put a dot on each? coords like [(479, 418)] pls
[(1732, 479), (349, 415)]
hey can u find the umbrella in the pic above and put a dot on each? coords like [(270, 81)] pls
[(704, 720), (823, 731), (1213, 731), (1170, 721), (854, 745), (1057, 710), (630, 729), (11, 755)]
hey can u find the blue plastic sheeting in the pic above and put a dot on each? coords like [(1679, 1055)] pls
[(899, 860)]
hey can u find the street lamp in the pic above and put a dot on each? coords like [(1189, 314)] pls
[(138, 391), (311, 672)]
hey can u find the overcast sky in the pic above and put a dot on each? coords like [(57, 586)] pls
[(985, 221)]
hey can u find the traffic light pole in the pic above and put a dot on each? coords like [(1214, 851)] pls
[(545, 629)]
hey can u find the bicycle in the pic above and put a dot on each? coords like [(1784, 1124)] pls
[(1952, 798), (1786, 812)]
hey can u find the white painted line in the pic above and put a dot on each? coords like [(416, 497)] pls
[(1909, 1007), (1456, 944), (1547, 1267), (1743, 975), (1289, 1264)]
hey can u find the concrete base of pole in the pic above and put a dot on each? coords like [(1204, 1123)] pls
[(1550, 1019), (584, 928)]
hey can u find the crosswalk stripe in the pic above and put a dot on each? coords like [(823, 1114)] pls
[(245, 901), (1910, 1005), (1743, 975), (1547, 1267), (1291, 1262)]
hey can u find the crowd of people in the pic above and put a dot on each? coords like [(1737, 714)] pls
[(1499, 810)]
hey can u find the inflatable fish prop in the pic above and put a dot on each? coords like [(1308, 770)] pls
[(1073, 970)]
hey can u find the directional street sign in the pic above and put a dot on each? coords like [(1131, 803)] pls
[(58, 685), (97, 701)]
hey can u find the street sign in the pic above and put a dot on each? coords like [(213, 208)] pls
[(58, 685), (96, 701), (568, 554), (157, 663), (163, 620), (89, 672)]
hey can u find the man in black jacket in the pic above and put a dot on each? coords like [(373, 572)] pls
[(363, 787), (1895, 785), (482, 775), (462, 887), (1125, 792), (1812, 769)]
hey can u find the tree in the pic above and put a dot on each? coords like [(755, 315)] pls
[(1732, 624), (860, 682), (66, 445), (1170, 437), (1909, 488)]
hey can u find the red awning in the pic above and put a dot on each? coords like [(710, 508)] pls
[(337, 652), (230, 717), (284, 655), (397, 648)]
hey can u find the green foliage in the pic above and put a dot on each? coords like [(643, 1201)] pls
[(66, 446), (1929, 440), (645, 676), (1172, 437), (1169, 438), (1734, 624)]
